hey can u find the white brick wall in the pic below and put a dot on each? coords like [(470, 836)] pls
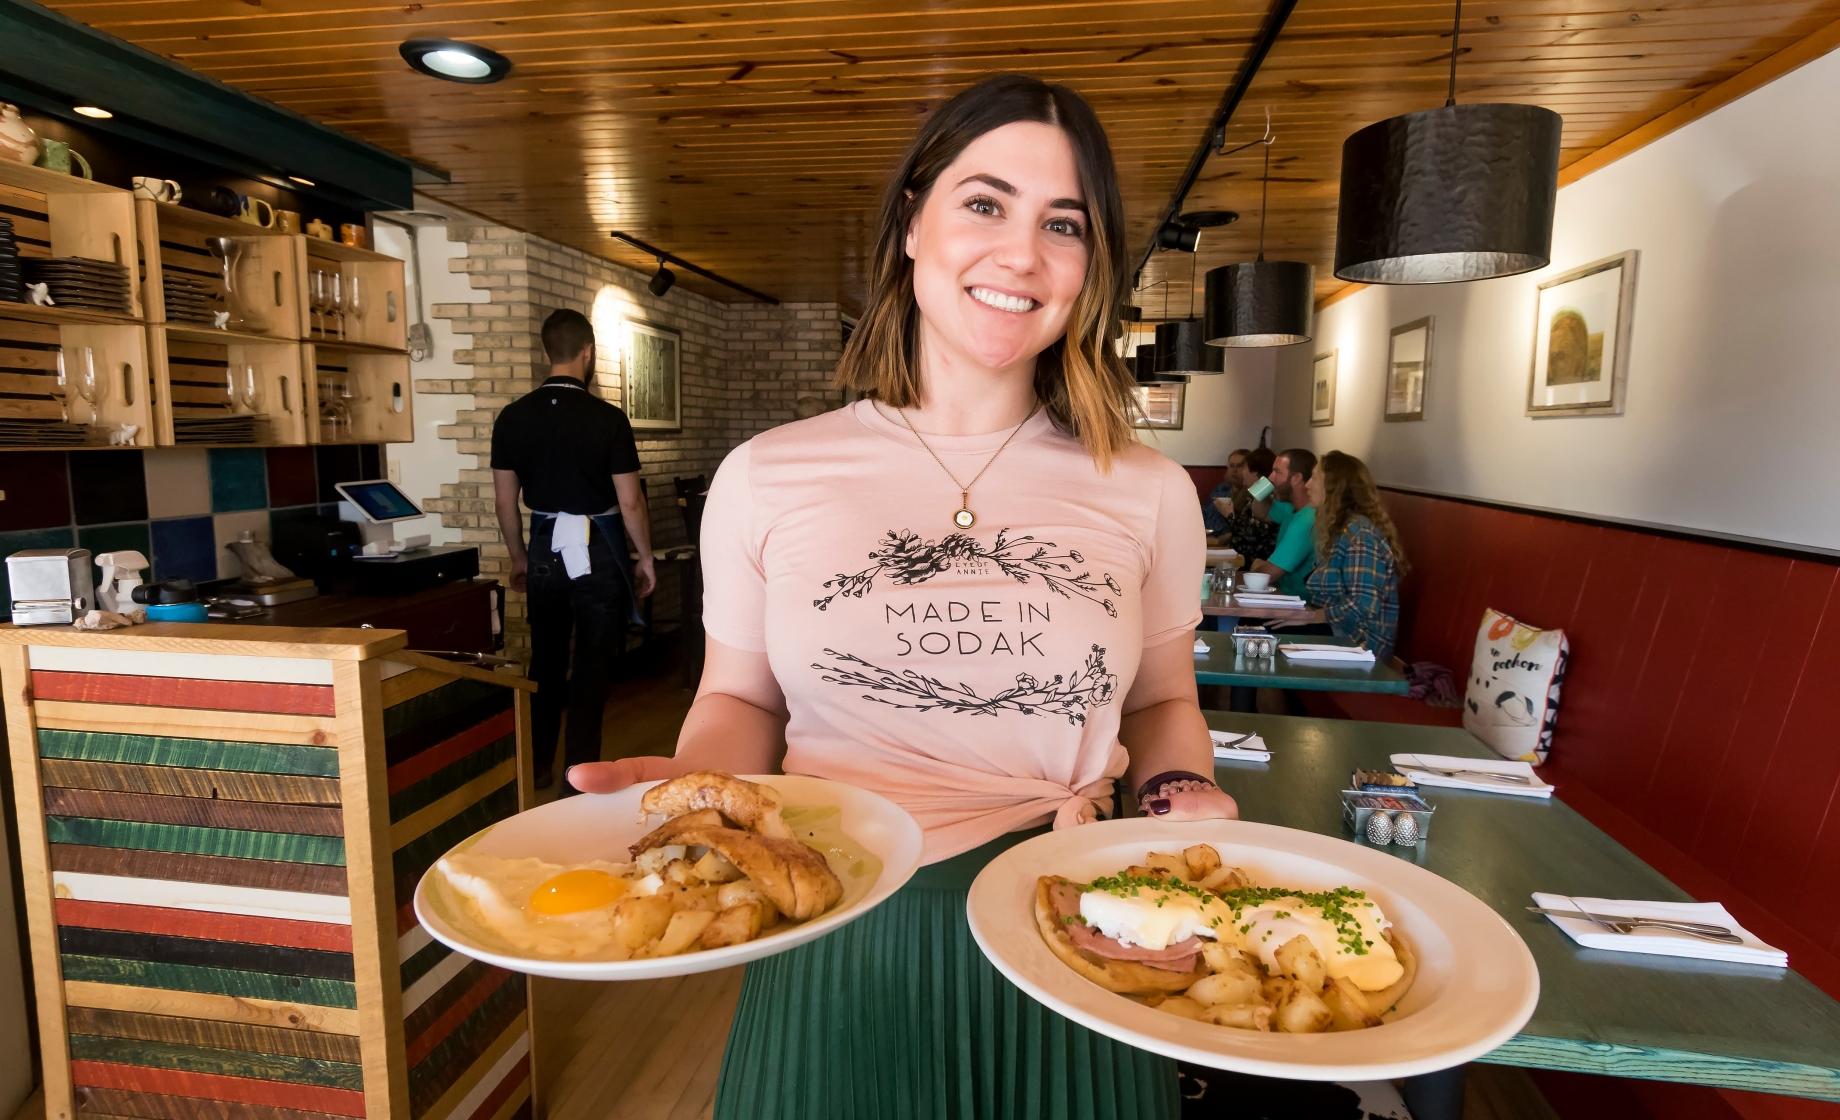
[(745, 367)]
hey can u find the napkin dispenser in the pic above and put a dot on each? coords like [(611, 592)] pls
[(50, 586)]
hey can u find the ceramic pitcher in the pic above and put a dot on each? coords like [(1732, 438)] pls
[(17, 140)]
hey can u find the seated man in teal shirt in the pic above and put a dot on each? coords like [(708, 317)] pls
[(1294, 558)]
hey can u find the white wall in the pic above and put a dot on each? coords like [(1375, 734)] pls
[(1732, 415), (1222, 411), (421, 467)]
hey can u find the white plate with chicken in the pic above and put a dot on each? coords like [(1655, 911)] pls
[(668, 878), (1254, 948)]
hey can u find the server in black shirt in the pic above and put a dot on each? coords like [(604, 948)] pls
[(573, 457)]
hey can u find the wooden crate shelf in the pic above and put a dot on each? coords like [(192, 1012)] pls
[(32, 389), (173, 240), (359, 395), (208, 376), (59, 215), (381, 323)]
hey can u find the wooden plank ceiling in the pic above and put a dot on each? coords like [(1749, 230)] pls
[(753, 137)]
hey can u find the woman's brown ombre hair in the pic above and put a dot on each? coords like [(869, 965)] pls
[(1079, 379)]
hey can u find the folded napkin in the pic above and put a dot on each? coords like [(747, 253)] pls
[(1267, 599), (1307, 651), (1202, 649), (1660, 942), (1408, 764), (1247, 750)]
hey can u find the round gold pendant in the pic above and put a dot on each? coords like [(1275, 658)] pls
[(964, 519)]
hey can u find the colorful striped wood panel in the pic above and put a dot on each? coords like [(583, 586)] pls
[(203, 919), (452, 754)]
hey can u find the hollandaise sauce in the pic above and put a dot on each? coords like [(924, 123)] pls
[(1346, 927), (821, 828)]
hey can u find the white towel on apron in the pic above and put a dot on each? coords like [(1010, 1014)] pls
[(569, 538)]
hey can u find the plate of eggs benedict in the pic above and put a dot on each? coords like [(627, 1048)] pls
[(668, 878), (1255, 948)]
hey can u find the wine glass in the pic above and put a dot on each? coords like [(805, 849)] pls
[(354, 302), (89, 385), (63, 385), (252, 389), (321, 299), (337, 298)]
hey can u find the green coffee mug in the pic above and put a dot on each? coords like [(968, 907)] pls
[(55, 155)]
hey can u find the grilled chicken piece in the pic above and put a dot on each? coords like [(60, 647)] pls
[(751, 806), (666, 833), (795, 878)]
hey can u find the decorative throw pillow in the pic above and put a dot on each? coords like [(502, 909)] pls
[(1512, 701)]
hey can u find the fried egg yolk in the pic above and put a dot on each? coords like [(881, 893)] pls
[(574, 891)]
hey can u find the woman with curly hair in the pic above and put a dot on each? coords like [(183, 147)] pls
[(1359, 560), (972, 591)]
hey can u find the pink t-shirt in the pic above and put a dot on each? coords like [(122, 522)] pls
[(976, 677)]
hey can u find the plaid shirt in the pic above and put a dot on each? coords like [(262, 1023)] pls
[(1358, 585)]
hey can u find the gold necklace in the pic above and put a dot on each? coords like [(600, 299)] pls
[(964, 518)]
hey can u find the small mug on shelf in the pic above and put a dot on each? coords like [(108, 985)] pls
[(287, 221), (157, 189), (55, 155), (352, 235), (319, 229)]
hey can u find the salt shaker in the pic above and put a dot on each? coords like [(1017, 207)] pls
[(1380, 829), (1405, 829)]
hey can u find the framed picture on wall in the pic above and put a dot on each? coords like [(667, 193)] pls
[(1159, 406), (651, 388), (1322, 390), (1581, 340), (1408, 365)]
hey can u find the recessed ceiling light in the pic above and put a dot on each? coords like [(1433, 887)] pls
[(92, 111), (455, 61), (302, 180)]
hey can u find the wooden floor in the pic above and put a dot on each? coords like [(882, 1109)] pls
[(652, 1050)]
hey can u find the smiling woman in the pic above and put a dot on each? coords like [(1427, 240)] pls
[(992, 672)]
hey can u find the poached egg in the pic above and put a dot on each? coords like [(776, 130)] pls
[(1347, 928)]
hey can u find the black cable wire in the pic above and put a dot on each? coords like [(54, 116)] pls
[(1456, 31)]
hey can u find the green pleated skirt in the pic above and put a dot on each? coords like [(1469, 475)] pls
[(898, 1016)]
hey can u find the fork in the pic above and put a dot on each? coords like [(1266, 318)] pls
[(1620, 924), (1488, 775)]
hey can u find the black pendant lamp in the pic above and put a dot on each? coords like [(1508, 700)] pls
[(1181, 347), (1260, 302), (1143, 363), (1463, 192)]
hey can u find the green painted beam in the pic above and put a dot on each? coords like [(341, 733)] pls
[(65, 62)]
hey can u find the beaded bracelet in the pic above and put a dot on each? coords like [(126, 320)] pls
[(1168, 782)]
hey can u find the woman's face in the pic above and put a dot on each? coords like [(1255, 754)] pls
[(1315, 486), (999, 247)]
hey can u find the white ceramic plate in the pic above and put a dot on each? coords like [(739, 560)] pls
[(1476, 983), (589, 826)]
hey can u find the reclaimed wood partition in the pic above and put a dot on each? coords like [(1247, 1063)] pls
[(221, 829)]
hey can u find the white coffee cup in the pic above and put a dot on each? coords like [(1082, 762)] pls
[(160, 190), (1255, 581)]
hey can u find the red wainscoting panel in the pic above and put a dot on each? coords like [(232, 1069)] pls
[(1699, 724)]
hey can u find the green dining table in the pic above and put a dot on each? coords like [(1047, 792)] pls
[(1620, 1014), (1224, 666)]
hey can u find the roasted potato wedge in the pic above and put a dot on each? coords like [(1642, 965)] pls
[(1183, 1006), (1169, 864), (1347, 1005), (1225, 879), (735, 925), (1299, 960), (1202, 860), (1245, 1016), (681, 932), (1301, 1011), (637, 922), (712, 868), (1224, 987)]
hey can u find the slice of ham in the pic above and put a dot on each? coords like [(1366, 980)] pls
[(1177, 957)]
